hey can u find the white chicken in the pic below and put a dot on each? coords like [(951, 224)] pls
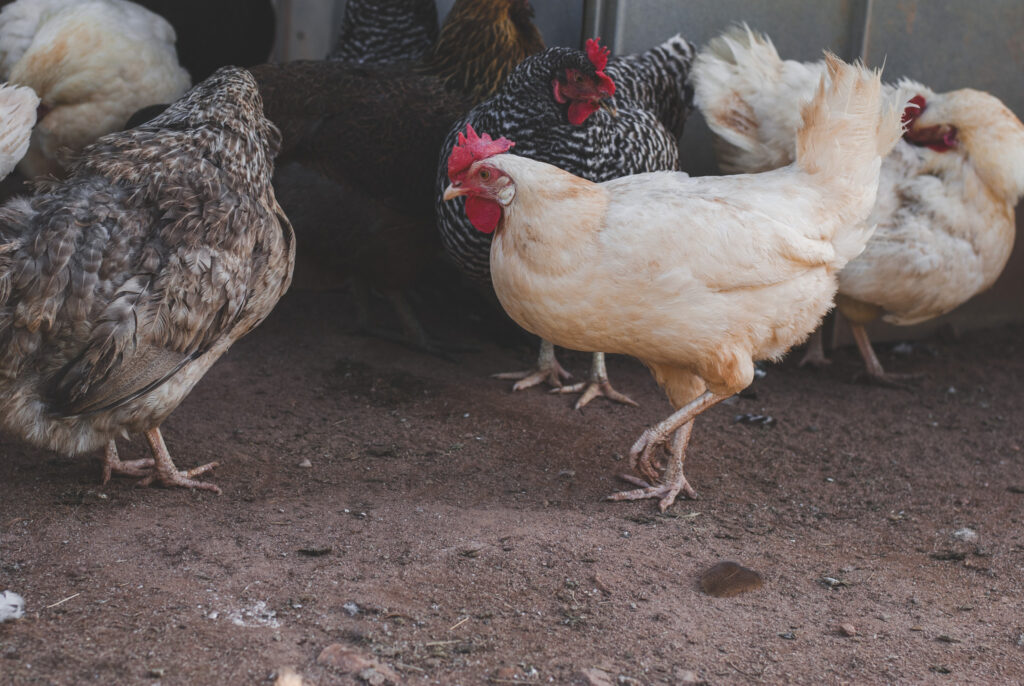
[(92, 63), (17, 117), (696, 277), (945, 208)]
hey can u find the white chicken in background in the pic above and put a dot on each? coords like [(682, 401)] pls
[(17, 117), (92, 63), (696, 277), (946, 198)]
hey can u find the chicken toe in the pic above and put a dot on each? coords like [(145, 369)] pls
[(548, 371), (874, 373), (166, 474), (597, 386), (670, 484), (112, 464)]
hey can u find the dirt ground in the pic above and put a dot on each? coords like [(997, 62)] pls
[(456, 532)]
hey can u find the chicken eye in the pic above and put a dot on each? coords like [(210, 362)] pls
[(484, 174)]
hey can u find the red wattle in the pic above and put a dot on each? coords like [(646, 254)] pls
[(483, 214), (579, 110)]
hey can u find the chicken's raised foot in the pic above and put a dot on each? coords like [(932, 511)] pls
[(814, 355), (112, 464), (598, 385), (672, 483), (548, 371), (166, 474)]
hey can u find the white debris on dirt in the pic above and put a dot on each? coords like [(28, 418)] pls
[(965, 534), (12, 606), (257, 614)]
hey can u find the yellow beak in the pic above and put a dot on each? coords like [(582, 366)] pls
[(453, 191)]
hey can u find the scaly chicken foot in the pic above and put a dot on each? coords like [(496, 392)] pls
[(671, 483), (547, 371), (642, 454), (167, 474), (112, 464), (874, 373), (597, 385), (814, 355)]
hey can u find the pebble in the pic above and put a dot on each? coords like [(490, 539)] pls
[(592, 676), (345, 659), (847, 629), (305, 464), (12, 606), (727, 579)]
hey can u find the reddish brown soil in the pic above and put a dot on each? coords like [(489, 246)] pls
[(464, 529)]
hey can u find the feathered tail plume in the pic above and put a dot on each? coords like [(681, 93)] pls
[(848, 127), (18, 106)]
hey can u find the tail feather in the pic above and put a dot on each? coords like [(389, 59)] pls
[(749, 97), (848, 127)]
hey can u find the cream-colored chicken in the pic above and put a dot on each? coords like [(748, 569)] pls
[(17, 117), (945, 208), (697, 277), (92, 63)]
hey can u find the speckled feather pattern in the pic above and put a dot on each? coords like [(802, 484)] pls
[(652, 100), (380, 32), (121, 285)]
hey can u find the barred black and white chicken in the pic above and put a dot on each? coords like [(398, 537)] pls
[(121, 285), (593, 117), (376, 32)]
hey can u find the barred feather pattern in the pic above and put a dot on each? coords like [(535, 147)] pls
[(604, 147), (381, 32), (122, 284)]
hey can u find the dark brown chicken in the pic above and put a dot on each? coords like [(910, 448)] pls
[(375, 135), (121, 285)]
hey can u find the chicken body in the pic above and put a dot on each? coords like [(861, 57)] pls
[(696, 277), (651, 103), (122, 284), (17, 117), (92, 63), (945, 207), (378, 33)]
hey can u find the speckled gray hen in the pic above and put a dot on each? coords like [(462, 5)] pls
[(123, 284)]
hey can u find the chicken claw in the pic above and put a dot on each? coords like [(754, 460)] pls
[(167, 474), (548, 371), (598, 385), (112, 464), (671, 483)]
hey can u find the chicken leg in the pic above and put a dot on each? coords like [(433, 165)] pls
[(814, 355), (671, 481), (167, 474), (547, 371), (597, 385), (112, 464), (875, 373)]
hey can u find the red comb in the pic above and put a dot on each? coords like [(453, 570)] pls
[(471, 148), (910, 112), (597, 54)]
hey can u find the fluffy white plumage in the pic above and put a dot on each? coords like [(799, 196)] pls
[(945, 216), (92, 63), (17, 117), (12, 606)]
